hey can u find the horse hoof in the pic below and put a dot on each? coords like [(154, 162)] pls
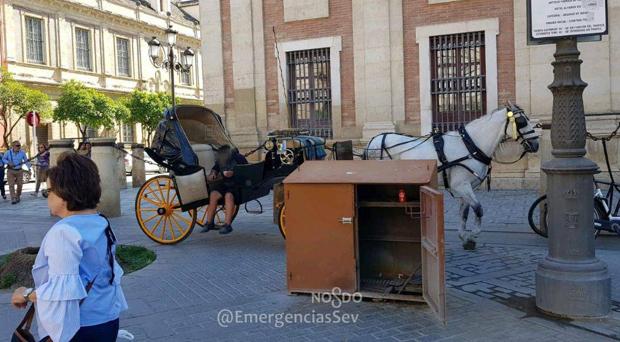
[(469, 245)]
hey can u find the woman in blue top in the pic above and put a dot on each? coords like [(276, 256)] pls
[(76, 252)]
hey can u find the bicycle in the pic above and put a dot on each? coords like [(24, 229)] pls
[(603, 200)]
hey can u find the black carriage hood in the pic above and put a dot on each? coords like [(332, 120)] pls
[(170, 144)]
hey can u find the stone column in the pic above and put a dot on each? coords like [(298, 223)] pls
[(57, 147), (243, 127), (570, 281), (138, 176), (120, 166), (212, 55), (104, 155), (374, 93)]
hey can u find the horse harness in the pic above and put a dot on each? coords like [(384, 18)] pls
[(515, 116), (474, 153)]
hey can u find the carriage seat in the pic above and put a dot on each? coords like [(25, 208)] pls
[(249, 175), (206, 155)]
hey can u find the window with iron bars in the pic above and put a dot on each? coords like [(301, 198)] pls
[(458, 79), (309, 91)]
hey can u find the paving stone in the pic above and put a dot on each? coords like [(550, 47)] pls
[(178, 297)]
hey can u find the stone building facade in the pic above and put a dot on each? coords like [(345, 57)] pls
[(102, 43), (350, 69)]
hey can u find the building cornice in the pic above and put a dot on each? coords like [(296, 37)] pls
[(107, 18)]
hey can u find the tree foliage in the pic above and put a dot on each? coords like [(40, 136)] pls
[(147, 109), (88, 108), (16, 100)]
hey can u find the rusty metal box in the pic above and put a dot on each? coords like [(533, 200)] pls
[(348, 228)]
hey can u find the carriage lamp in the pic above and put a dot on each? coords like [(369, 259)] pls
[(163, 56)]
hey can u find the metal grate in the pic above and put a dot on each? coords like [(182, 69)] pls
[(458, 81), (309, 91)]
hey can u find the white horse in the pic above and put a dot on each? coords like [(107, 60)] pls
[(468, 155)]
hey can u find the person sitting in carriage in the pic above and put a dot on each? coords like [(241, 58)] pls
[(225, 162)]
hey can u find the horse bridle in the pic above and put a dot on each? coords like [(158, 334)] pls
[(516, 116)]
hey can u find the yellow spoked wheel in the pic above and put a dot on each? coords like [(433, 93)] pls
[(282, 220), (158, 212), (220, 215)]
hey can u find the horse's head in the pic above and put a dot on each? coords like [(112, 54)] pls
[(519, 129)]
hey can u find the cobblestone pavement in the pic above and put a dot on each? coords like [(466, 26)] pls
[(178, 297)]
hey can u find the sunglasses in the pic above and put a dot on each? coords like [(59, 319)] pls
[(17, 145)]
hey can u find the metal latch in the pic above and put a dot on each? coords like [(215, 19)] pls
[(346, 220)]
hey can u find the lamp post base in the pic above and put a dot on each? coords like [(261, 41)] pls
[(573, 290)]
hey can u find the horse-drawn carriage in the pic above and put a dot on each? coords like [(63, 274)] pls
[(169, 206)]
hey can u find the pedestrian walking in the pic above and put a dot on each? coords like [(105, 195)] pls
[(41, 167), (84, 149), (2, 167), (15, 158), (77, 280)]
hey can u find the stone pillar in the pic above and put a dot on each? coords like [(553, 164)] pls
[(377, 50), (138, 176), (243, 126), (212, 56), (59, 146), (104, 155), (120, 166), (570, 280)]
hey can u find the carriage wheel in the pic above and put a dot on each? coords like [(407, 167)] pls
[(219, 215), (282, 220), (158, 212)]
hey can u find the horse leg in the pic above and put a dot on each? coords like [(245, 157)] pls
[(470, 198), (464, 212), (479, 212)]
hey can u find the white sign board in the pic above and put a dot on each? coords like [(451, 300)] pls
[(551, 19)]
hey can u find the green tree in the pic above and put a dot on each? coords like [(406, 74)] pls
[(147, 109), (87, 107), (16, 100)]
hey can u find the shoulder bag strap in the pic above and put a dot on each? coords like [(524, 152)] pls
[(111, 241), (27, 321)]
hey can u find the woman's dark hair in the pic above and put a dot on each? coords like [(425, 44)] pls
[(76, 180)]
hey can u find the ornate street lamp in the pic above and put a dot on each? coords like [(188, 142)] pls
[(163, 56)]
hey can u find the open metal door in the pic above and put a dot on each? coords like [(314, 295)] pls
[(320, 239), (433, 255)]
